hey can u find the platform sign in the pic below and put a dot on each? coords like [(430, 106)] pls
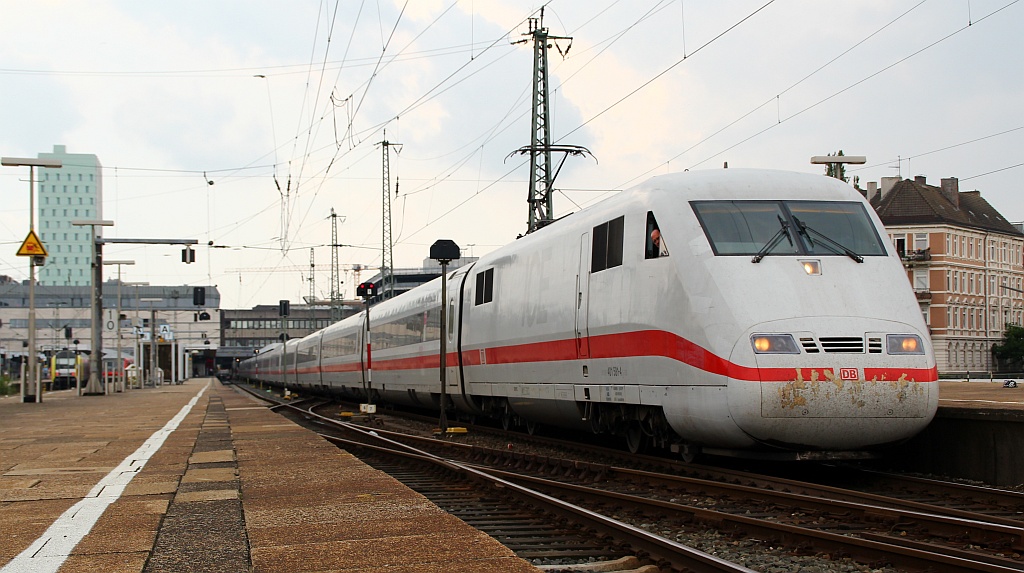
[(32, 247)]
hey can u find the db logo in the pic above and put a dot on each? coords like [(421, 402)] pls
[(847, 373)]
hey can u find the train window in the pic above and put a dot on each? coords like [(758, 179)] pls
[(607, 250), (788, 228), (451, 318), (743, 227), (656, 246), (484, 287), (830, 224)]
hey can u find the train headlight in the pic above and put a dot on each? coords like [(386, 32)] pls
[(811, 267), (904, 344), (774, 344)]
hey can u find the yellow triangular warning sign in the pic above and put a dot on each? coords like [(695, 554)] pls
[(32, 247)]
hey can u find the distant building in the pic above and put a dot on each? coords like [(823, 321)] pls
[(247, 330), (243, 331), (410, 278), (74, 191), (185, 334), (964, 261)]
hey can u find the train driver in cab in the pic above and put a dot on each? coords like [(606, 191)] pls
[(655, 243)]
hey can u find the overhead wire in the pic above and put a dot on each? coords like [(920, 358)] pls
[(857, 83)]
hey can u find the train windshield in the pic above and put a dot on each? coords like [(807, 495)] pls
[(788, 228)]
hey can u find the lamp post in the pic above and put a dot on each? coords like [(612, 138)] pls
[(94, 386), (117, 329), (31, 163), (444, 251)]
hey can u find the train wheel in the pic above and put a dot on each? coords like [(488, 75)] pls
[(506, 418), (531, 427), (689, 453), (635, 438)]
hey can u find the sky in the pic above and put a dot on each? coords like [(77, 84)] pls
[(243, 124)]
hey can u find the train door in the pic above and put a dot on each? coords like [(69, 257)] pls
[(582, 298)]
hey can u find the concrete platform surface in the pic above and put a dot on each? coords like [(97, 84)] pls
[(981, 394), (199, 477)]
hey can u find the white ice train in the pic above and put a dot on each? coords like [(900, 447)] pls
[(773, 317)]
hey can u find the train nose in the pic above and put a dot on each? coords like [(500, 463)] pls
[(837, 387)]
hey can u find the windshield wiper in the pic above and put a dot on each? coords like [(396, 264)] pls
[(836, 247), (775, 240)]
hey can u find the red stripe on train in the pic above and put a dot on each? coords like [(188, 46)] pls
[(632, 344)]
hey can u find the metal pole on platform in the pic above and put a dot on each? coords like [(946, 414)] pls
[(444, 251), (120, 374), (152, 338), (31, 163), (94, 386)]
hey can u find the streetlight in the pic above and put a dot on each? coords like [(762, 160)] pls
[(117, 329), (31, 163), (94, 387), (444, 251)]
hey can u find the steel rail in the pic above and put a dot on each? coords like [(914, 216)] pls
[(659, 548), (871, 546), (866, 548)]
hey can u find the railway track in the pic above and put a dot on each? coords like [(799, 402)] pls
[(802, 517)]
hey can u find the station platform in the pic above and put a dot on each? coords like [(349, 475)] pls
[(983, 394), (977, 434), (199, 477)]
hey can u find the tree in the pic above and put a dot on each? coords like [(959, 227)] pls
[(837, 170), (1011, 349)]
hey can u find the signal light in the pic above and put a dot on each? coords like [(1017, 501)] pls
[(366, 290)]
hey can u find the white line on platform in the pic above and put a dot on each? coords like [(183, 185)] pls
[(53, 547)]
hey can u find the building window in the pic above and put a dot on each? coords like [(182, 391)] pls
[(900, 242), (920, 280)]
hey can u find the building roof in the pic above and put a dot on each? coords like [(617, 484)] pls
[(911, 202)]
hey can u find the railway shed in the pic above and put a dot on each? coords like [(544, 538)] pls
[(197, 477)]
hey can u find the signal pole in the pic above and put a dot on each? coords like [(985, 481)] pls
[(335, 278), (312, 292), (387, 271), (540, 148)]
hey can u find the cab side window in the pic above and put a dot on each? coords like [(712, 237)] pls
[(607, 250), (656, 246)]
